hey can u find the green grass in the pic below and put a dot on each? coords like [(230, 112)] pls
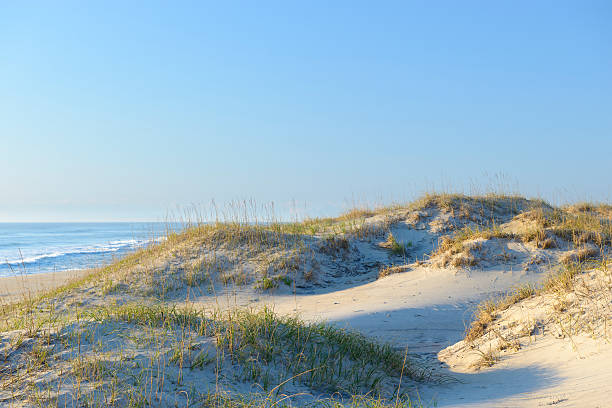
[(395, 247), (114, 353), (267, 283), (319, 349), (222, 400)]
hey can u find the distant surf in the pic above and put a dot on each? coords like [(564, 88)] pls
[(47, 247)]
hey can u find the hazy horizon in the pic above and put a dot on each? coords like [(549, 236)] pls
[(291, 210)]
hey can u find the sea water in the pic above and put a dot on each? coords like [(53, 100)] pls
[(27, 248)]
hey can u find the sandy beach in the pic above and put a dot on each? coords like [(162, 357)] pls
[(15, 288)]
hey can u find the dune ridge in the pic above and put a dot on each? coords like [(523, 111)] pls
[(434, 302)]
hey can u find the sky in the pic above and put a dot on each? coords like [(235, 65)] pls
[(126, 111)]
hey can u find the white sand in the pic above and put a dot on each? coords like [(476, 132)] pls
[(15, 288), (427, 310)]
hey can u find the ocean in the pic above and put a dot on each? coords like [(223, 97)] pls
[(28, 248)]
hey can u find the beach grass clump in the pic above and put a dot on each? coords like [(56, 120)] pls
[(391, 270), (489, 207), (354, 223), (581, 254), (563, 280), (122, 354), (574, 224), (267, 283), (335, 245), (394, 246), (318, 347), (539, 237), (460, 249), (488, 310), (572, 304), (455, 243), (561, 284)]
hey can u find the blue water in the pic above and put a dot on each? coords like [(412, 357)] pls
[(46, 247)]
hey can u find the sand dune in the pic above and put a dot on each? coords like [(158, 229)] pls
[(409, 276)]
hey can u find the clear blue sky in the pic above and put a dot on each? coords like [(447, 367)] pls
[(123, 110)]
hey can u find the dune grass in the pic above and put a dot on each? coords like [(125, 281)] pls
[(129, 355), (152, 352), (585, 227), (559, 283), (488, 310)]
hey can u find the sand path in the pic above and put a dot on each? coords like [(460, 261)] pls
[(427, 310)]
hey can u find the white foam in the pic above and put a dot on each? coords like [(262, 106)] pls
[(112, 246)]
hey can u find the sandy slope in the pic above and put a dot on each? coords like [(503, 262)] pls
[(428, 310), (425, 309), (546, 373)]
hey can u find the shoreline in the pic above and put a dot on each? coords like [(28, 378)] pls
[(15, 288)]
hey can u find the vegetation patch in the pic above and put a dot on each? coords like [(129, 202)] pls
[(395, 247), (390, 270), (118, 355), (488, 310), (571, 303)]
